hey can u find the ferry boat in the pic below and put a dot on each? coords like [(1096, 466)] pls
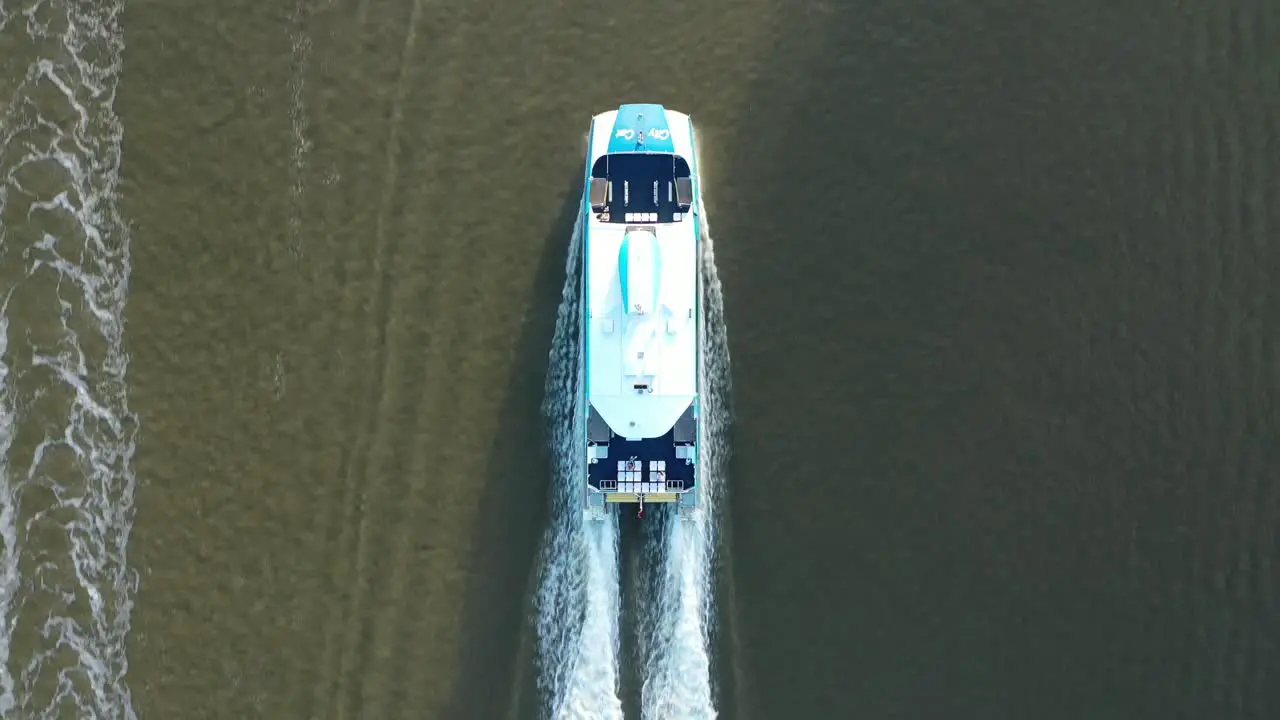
[(641, 325)]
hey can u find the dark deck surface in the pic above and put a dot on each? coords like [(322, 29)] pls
[(642, 183), (659, 448)]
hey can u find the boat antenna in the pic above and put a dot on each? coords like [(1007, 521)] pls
[(640, 133)]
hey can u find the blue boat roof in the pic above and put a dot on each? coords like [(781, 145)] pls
[(641, 128)]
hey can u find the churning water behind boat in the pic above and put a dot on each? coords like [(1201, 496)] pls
[(67, 435), (676, 632)]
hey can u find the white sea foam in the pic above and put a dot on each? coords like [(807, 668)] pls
[(578, 598), (67, 436), (301, 45), (675, 634)]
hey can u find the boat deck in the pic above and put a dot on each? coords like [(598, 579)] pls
[(652, 465)]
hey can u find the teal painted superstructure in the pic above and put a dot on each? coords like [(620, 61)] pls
[(641, 128)]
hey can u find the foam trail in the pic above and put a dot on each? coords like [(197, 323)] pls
[(9, 553), (578, 598), (301, 43), (676, 639), (66, 431)]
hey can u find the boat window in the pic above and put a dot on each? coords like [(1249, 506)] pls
[(599, 193), (684, 191), (661, 180)]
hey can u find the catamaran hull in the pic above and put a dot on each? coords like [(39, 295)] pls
[(641, 329)]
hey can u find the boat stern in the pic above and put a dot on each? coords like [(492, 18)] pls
[(630, 471)]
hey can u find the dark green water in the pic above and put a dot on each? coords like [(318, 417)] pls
[(998, 286)]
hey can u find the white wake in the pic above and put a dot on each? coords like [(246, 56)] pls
[(301, 58), (578, 597), (676, 632), (67, 436)]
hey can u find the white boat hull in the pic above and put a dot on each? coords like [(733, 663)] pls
[(641, 321)]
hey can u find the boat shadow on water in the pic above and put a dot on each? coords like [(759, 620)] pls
[(496, 674)]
